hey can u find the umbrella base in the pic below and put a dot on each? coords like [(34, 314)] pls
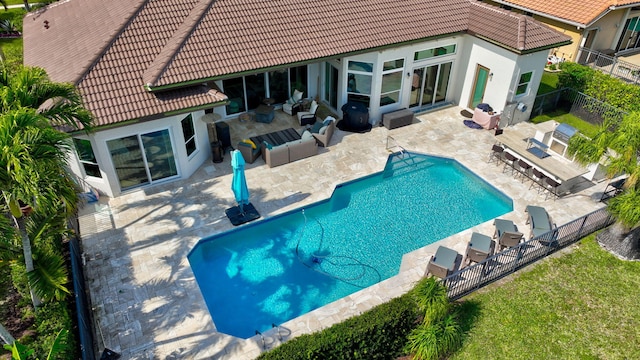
[(238, 217)]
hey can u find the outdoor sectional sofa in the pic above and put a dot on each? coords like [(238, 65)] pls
[(285, 146), (289, 151)]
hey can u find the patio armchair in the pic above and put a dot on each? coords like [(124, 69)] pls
[(250, 151), (323, 131), (443, 263), (308, 117), (292, 105)]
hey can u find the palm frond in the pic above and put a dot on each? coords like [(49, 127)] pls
[(49, 278), (59, 345)]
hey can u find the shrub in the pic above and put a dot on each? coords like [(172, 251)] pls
[(50, 319), (574, 76), (379, 333), (599, 85), (440, 332)]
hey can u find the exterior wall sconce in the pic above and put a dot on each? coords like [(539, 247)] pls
[(490, 76)]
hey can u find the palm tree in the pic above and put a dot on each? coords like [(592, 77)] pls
[(618, 144), (34, 152), (31, 162), (59, 102)]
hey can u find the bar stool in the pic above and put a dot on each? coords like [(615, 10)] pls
[(523, 168), (497, 153), (552, 186), (509, 161), (538, 178)]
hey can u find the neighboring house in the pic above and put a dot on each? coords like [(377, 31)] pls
[(150, 70), (608, 26)]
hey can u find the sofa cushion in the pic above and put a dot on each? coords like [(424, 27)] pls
[(323, 130), (314, 107), (267, 145), (306, 135), (316, 127)]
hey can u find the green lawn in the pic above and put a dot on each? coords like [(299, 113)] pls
[(562, 116), (581, 305), (548, 83)]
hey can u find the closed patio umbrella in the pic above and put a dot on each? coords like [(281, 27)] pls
[(245, 211)]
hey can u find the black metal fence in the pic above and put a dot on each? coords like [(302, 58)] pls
[(474, 277), (579, 104), (80, 293)]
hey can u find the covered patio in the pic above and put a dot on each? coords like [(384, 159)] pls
[(146, 303)]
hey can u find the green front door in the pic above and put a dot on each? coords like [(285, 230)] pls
[(479, 86)]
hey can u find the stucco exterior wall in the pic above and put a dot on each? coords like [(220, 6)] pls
[(505, 68), (500, 62), (186, 165)]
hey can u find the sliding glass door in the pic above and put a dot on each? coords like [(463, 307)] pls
[(429, 85), (143, 159)]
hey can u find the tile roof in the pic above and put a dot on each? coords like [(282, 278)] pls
[(178, 45), (583, 12), (491, 23)]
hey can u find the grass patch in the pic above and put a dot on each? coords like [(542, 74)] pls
[(564, 117), (582, 305), (548, 83)]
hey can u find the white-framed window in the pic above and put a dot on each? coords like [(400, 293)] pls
[(434, 52), (87, 157), (359, 82), (523, 83), (391, 81), (630, 38), (189, 134)]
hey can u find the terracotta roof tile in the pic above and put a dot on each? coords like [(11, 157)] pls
[(582, 12), (167, 42)]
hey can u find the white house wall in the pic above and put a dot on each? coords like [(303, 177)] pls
[(535, 63), (403, 52), (500, 62), (505, 67), (186, 166)]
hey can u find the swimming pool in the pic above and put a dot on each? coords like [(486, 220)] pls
[(274, 270)]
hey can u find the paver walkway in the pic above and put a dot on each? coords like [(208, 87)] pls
[(146, 302)]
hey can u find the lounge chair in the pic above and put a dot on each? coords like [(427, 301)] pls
[(507, 233), (538, 220), (479, 248), (613, 189), (443, 263)]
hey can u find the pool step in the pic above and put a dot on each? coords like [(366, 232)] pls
[(404, 162)]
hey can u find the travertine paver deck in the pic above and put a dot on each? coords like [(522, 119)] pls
[(145, 298)]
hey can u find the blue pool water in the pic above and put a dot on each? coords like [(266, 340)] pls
[(271, 271)]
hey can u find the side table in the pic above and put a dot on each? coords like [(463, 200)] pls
[(264, 114)]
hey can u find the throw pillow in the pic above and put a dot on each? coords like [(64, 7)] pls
[(322, 130), (297, 95), (306, 135), (314, 107), (267, 145), (316, 127), (327, 121), (249, 142)]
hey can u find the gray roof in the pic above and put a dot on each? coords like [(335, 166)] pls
[(118, 48)]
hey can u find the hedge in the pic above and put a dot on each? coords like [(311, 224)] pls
[(379, 333)]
